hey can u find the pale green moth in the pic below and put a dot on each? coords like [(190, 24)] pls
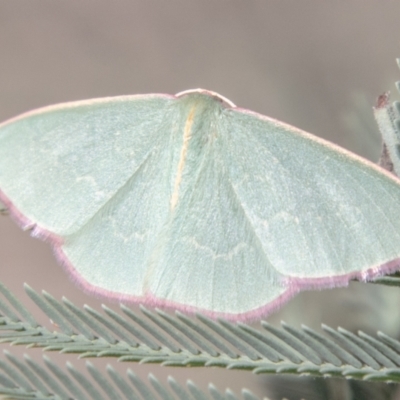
[(190, 202)]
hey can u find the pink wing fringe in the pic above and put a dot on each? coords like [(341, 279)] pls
[(294, 285)]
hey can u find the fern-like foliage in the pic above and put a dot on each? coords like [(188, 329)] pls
[(388, 280), (27, 379), (178, 340)]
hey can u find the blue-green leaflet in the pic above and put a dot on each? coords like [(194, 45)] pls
[(190, 202)]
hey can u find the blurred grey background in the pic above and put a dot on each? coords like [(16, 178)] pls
[(316, 65)]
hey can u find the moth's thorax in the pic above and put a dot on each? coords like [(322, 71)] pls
[(197, 129), (199, 114)]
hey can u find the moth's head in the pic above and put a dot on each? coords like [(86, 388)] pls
[(216, 96)]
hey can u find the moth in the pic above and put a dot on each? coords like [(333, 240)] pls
[(190, 202)]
